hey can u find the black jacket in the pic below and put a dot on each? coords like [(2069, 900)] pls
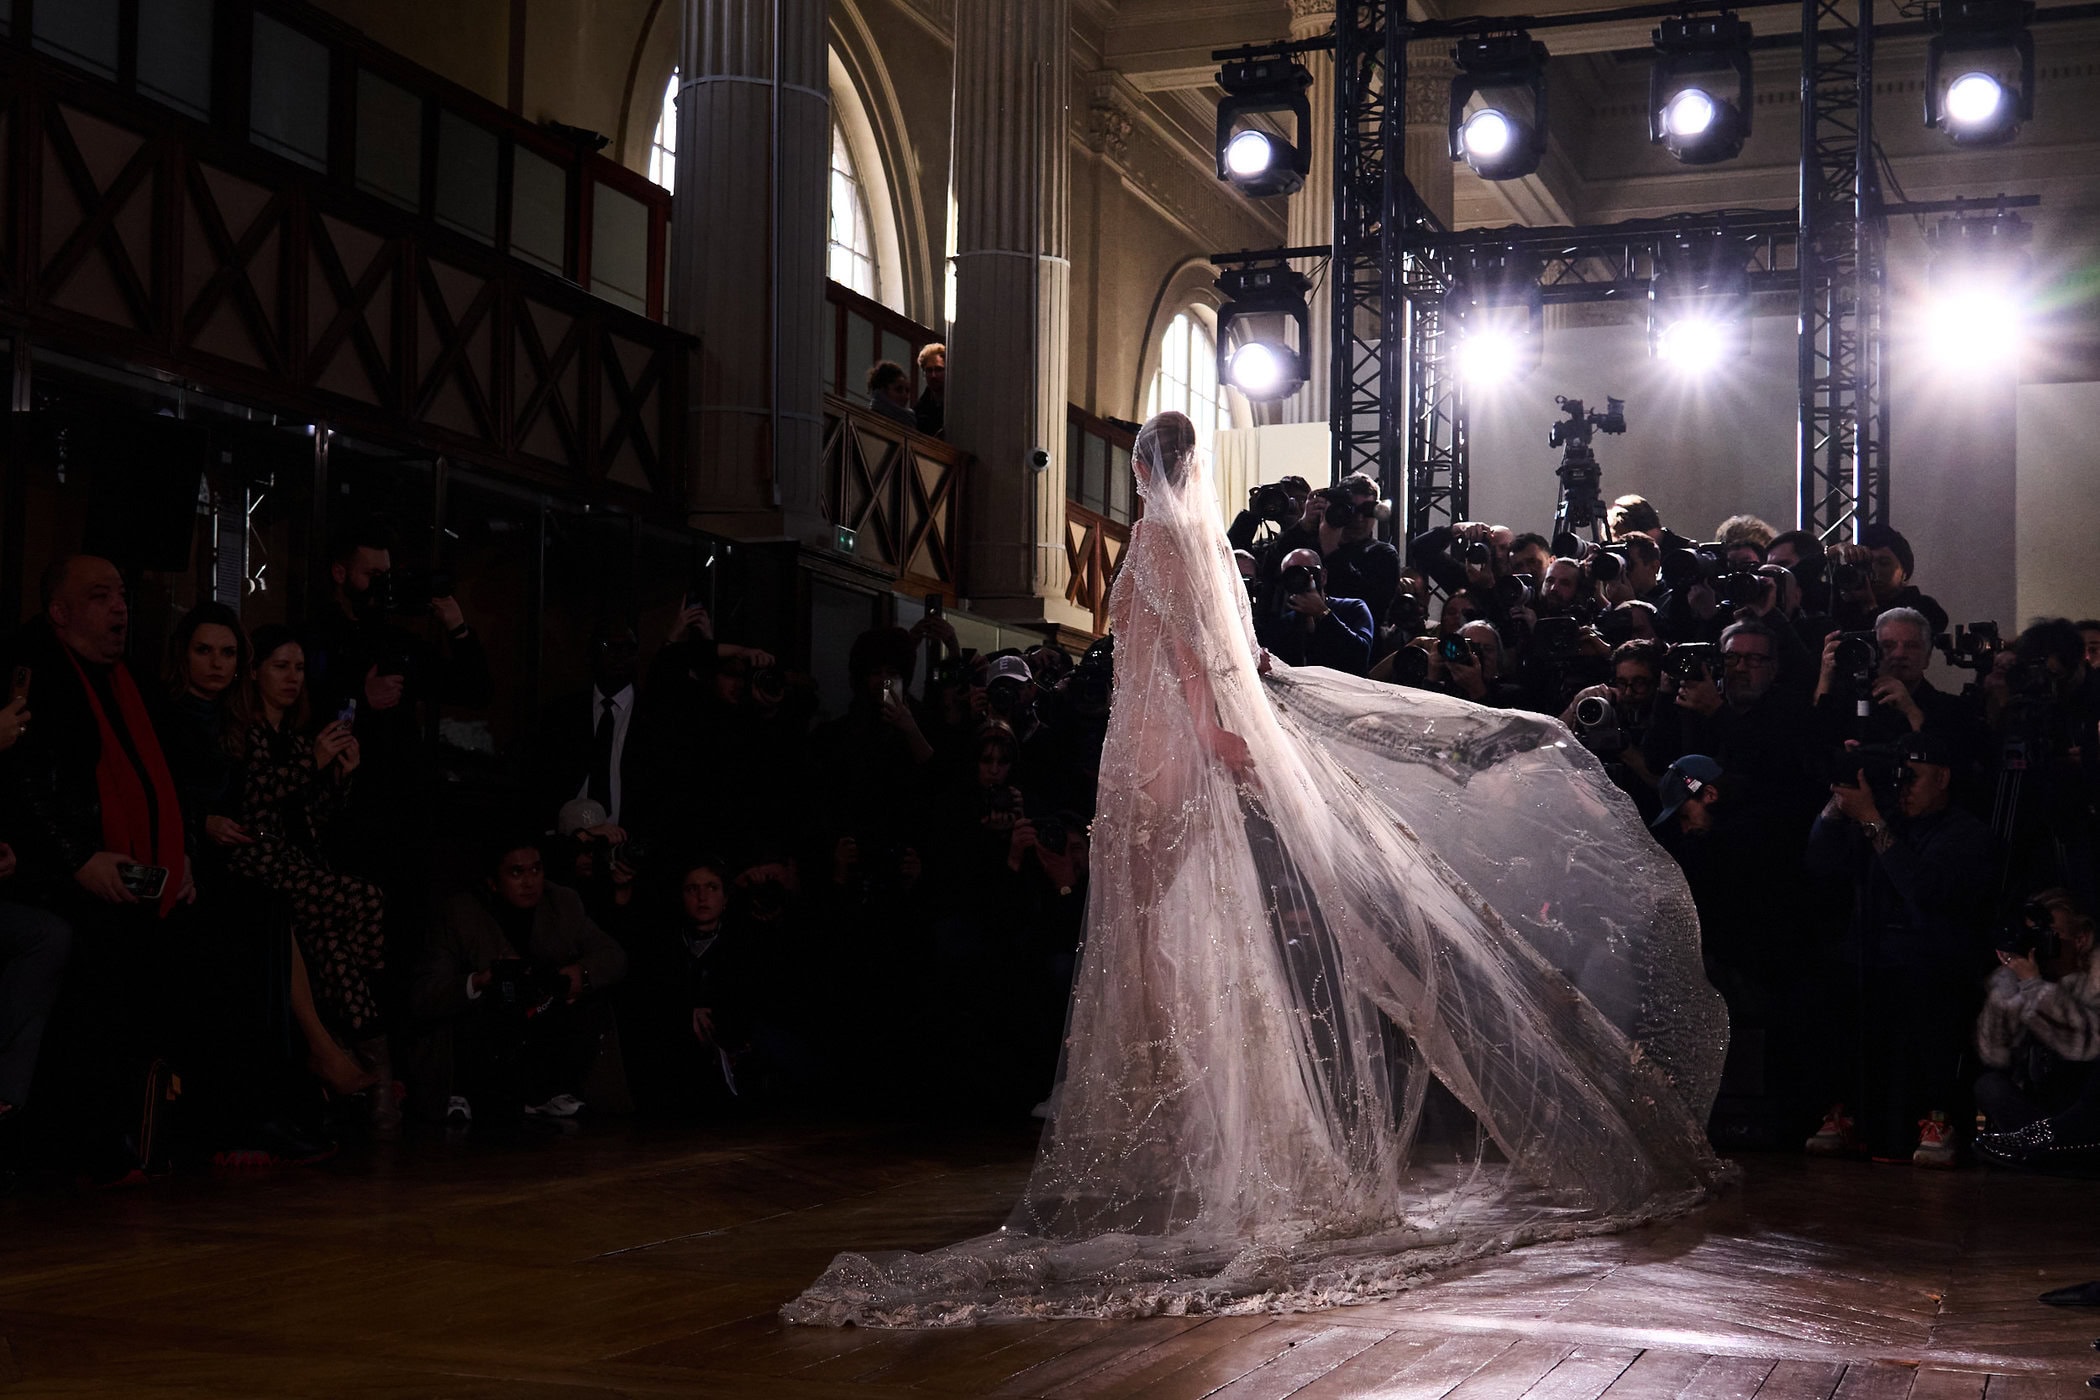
[(1926, 902), (1769, 747)]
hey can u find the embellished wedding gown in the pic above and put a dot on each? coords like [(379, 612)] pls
[(1287, 948)]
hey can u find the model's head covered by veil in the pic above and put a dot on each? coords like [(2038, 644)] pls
[(1373, 981)]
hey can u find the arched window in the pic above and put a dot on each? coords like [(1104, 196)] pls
[(850, 255), (663, 146), (1188, 378)]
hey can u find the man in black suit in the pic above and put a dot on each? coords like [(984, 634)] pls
[(584, 748)]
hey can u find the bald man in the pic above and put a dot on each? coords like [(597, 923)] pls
[(1304, 626)]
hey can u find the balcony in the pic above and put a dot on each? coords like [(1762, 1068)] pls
[(260, 201)]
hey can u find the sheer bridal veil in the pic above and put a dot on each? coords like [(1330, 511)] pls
[(1374, 981)]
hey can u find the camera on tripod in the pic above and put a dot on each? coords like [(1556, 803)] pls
[(1581, 503)]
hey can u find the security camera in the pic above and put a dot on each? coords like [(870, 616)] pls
[(1039, 459)]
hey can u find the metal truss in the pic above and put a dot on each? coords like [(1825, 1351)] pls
[(1842, 449), (1369, 152)]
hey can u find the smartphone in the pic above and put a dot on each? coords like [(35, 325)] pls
[(934, 606), (21, 683), (144, 882), (348, 714)]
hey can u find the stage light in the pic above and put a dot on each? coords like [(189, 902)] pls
[(1495, 312), (1263, 328), (1699, 94), (1699, 302), (1985, 45), (1252, 158), (1975, 313), (1506, 137), (1695, 345)]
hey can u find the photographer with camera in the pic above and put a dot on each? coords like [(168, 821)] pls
[(1872, 688), (2042, 705), (2039, 1034), (1923, 870), (1277, 504), (1725, 701), (1307, 627), (1612, 720), (1360, 565), (1467, 558), (1874, 576), (872, 768), (512, 996)]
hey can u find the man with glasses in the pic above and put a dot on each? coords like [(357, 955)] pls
[(1756, 729)]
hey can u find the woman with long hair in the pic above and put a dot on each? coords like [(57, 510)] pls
[(207, 660), (292, 787)]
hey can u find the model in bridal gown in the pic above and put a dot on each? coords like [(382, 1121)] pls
[(1374, 981)]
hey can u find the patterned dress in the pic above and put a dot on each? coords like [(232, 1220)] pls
[(286, 804)]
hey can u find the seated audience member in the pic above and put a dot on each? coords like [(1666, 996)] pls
[(2039, 1034), (1924, 870), (207, 663), (33, 944), (95, 819), (1307, 627), (931, 412), (513, 993), (292, 788), (601, 862), (889, 392)]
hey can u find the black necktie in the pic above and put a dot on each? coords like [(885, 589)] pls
[(601, 758)]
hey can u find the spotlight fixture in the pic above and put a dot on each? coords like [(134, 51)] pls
[(1496, 311), (1974, 316), (1699, 303), (1505, 137), (1979, 71), (1253, 158), (1262, 330), (1699, 94)]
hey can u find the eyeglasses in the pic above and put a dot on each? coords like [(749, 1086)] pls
[(1748, 658)]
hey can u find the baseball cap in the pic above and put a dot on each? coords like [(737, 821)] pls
[(1684, 778), (1929, 746), (1010, 668), (580, 814)]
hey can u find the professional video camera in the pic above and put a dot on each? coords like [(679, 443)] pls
[(1581, 502), (1972, 648)]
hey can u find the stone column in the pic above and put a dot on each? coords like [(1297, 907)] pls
[(1007, 366), (1429, 74), (727, 259), (1310, 214)]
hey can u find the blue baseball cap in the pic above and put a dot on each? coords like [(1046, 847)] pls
[(1687, 776)]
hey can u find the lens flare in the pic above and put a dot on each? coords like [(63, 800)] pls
[(1694, 345), (1488, 357), (1975, 327)]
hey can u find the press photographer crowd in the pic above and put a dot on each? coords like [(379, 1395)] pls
[(242, 921)]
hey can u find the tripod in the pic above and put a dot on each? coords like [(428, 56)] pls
[(1581, 504)]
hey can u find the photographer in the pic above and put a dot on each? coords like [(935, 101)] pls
[(871, 769), (1361, 566), (2039, 1033), (1632, 515), (1468, 557), (2043, 707), (1728, 704), (1873, 576), (512, 993), (1280, 504), (1617, 732), (1923, 870), (1309, 628), (1873, 688)]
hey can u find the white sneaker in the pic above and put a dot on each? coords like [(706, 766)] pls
[(560, 1106)]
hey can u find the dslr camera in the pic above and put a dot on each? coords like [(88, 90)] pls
[(1881, 767), (1300, 578), (1973, 648), (1693, 661), (1271, 502)]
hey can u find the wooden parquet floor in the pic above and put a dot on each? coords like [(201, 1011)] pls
[(631, 1263)]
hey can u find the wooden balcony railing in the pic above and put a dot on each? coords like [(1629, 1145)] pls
[(1094, 547), (314, 101), (900, 492), (164, 241)]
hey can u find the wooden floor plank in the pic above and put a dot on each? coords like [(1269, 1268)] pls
[(1583, 1373), (1801, 1380), (1727, 1378), (1408, 1373), (1876, 1380), (1305, 1361), (1134, 1375), (1657, 1375), (1932, 1383), (1513, 1372)]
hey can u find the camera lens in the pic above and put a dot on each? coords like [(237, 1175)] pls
[(1593, 712)]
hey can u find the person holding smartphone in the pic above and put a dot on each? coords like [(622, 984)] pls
[(293, 786)]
